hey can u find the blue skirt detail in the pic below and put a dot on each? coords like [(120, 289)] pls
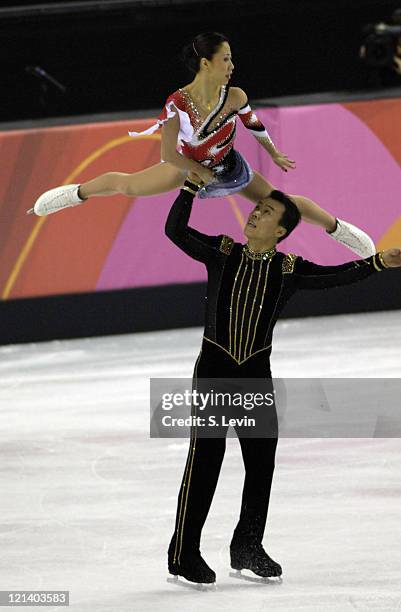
[(229, 179)]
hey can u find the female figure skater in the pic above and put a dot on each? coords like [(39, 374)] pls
[(201, 117)]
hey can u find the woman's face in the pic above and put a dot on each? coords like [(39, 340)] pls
[(220, 67)]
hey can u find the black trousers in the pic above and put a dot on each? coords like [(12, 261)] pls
[(205, 457)]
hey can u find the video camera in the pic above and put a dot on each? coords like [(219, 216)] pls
[(381, 44)]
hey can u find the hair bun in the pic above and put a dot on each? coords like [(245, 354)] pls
[(203, 45)]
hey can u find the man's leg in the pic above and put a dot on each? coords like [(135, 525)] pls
[(201, 474), (246, 548), (198, 485), (259, 460)]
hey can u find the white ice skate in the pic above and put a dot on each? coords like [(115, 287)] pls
[(197, 586), (56, 199), (253, 578), (353, 238)]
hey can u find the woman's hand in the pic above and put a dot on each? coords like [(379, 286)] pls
[(282, 161), (392, 258), (205, 174)]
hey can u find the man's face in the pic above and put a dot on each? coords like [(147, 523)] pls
[(264, 221)]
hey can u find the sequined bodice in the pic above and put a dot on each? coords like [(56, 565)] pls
[(215, 119), (213, 136), (208, 140)]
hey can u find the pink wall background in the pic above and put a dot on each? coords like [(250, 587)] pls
[(348, 159)]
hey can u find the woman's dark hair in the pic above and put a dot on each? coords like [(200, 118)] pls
[(291, 215), (203, 45)]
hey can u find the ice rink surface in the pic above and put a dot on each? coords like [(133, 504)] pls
[(88, 500)]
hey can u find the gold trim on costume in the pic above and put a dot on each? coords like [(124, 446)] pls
[(231, 303), (381, 259), (260, 305), (258, 256), (375, 264), (226, 245), (194, 184), (237, 349), (185, 188), (252, 309), (186, 481), (232, 356), (236, 311), (244, 308), (289, 263)]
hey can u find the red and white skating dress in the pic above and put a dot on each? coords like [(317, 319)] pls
[(211, 141)]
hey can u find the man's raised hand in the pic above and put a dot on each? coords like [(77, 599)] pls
[(392, 257), (194, 178)]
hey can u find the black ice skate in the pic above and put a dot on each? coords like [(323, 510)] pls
[(254, 558), (193, 568)]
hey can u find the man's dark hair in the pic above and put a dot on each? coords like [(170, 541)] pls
[(291, 215)]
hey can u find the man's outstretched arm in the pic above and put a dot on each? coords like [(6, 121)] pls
[(195, 244), (308, 275)]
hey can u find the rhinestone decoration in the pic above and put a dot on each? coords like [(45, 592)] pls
[(289, 263), (196, 115), (197, 119), (264, 255), (226, 245)]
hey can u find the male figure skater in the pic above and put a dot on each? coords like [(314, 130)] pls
[(248, 286)]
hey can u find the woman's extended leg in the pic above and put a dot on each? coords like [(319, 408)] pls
[(151, 181), (159, 178), (260, 188)]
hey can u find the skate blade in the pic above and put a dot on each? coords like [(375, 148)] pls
[(268, 580), (179, 581)]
